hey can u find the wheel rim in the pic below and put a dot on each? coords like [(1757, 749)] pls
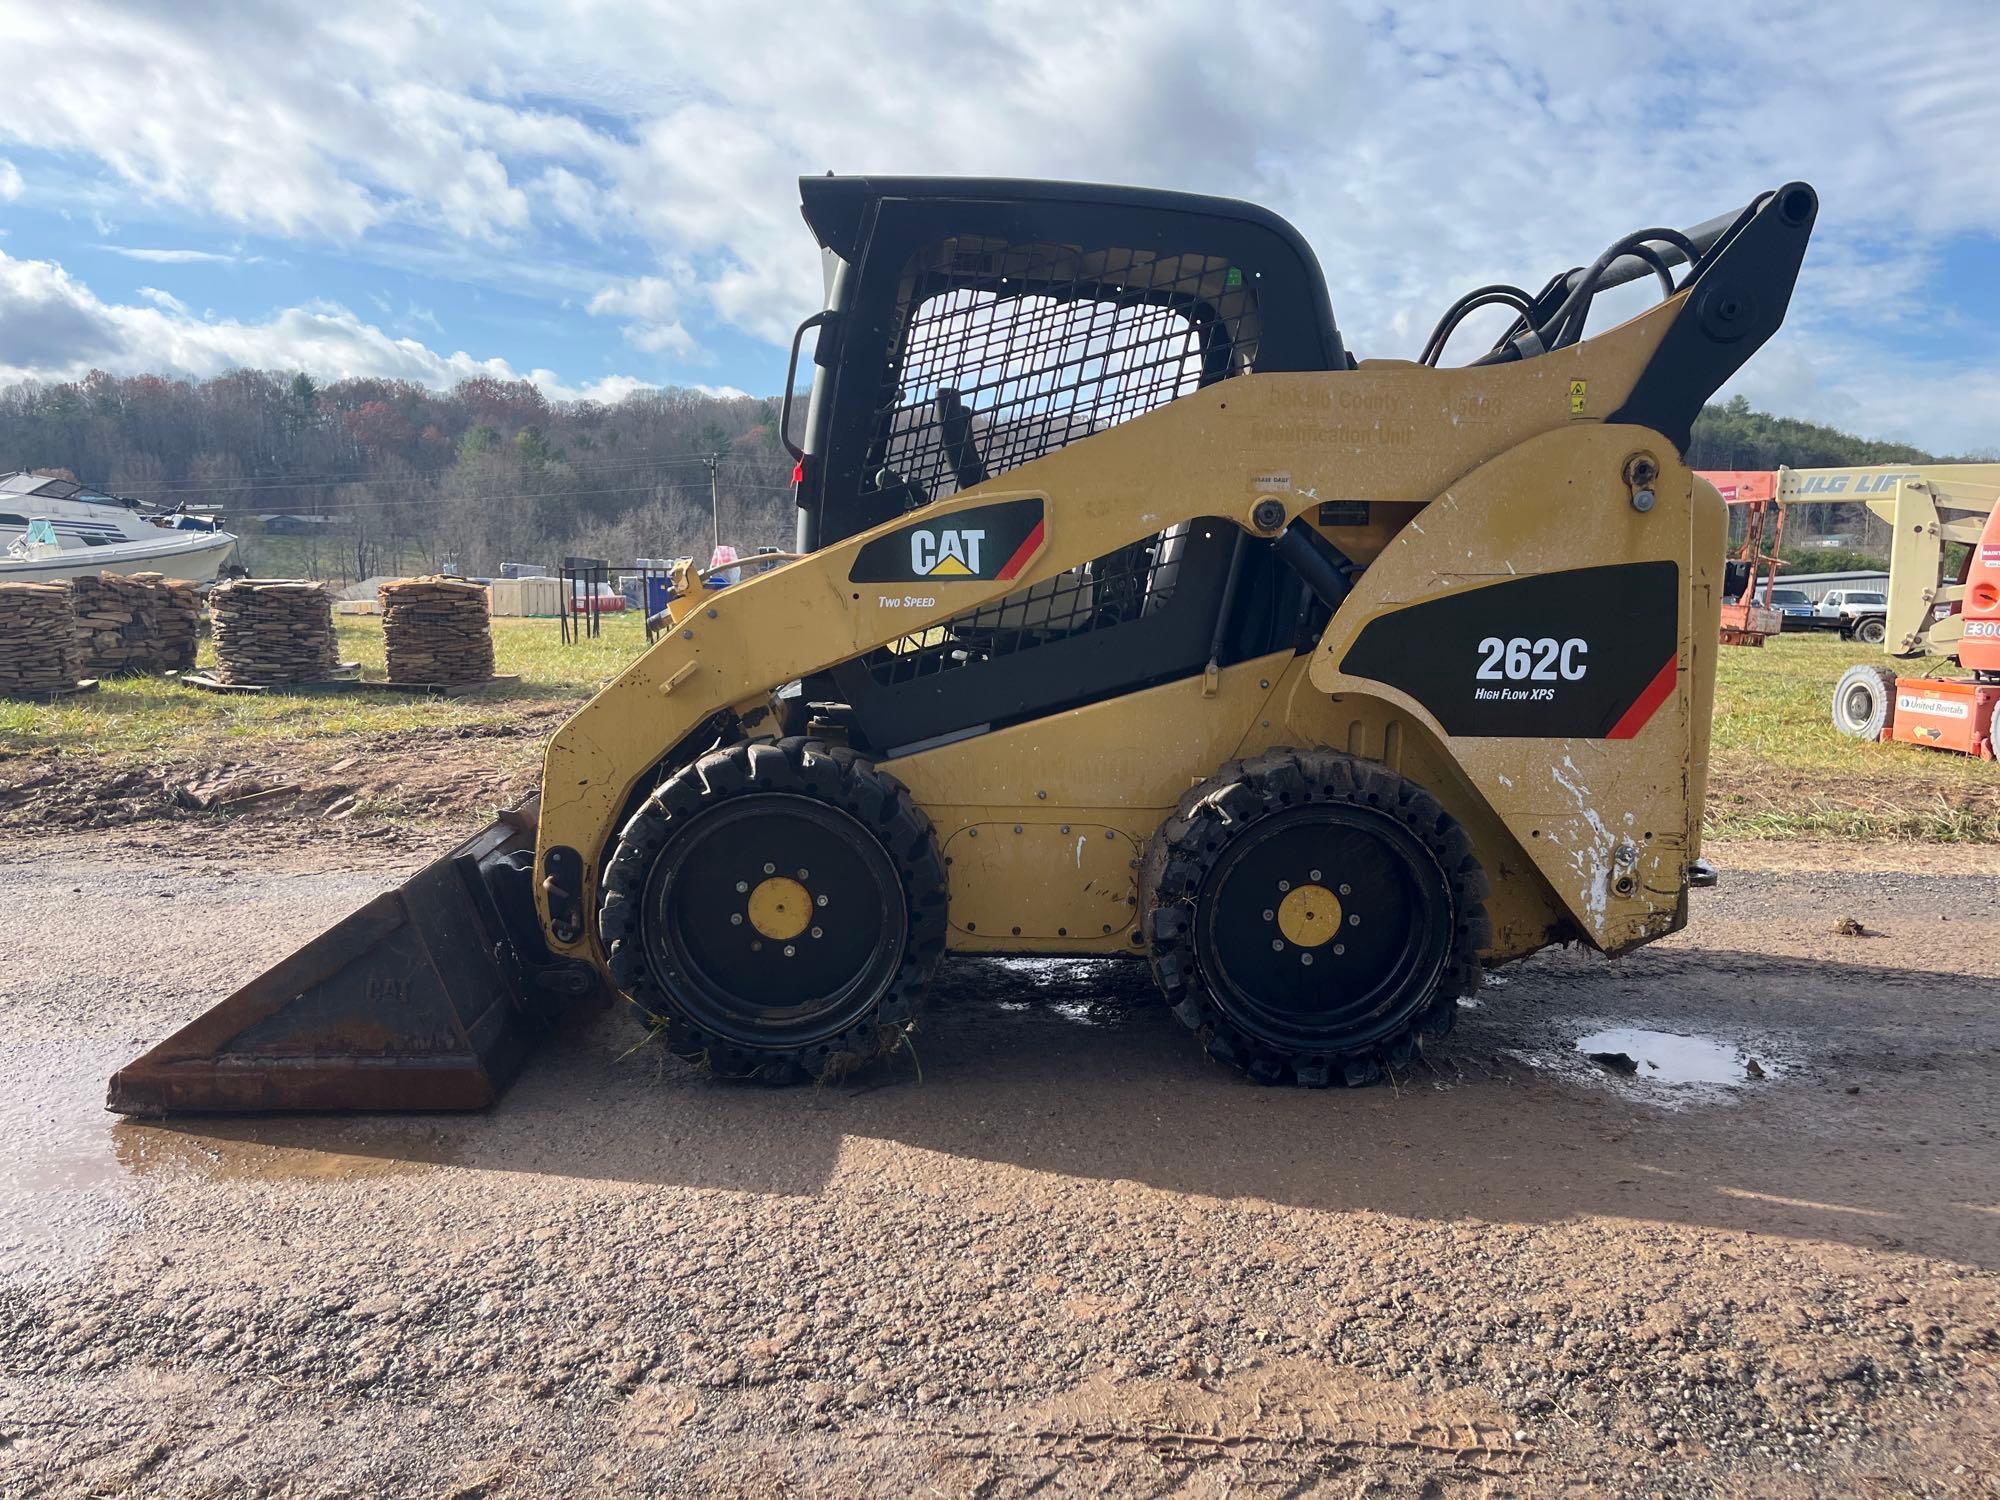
[(774, 920), (1275, 963), (1857, 703)]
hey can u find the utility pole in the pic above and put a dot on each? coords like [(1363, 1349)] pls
[(714, 462)]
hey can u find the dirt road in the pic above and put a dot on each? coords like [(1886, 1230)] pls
[(1071, 1256)]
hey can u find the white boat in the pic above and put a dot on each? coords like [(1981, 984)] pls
[(56, 529)]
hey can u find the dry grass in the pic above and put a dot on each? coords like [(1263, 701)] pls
[(137, 718)]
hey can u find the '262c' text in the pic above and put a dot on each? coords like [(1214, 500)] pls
[(1523, 660)]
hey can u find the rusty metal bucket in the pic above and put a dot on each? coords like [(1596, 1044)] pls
[(427, 998)]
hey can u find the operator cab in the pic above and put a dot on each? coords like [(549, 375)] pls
[(973, 326)]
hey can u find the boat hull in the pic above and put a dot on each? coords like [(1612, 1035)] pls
[(193, 556)]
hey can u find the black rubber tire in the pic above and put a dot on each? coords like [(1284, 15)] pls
[(1871, 631), (1864, 701), (799, 768), (1197, 838)]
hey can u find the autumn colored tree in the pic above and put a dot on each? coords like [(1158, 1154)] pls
[(378, 427)]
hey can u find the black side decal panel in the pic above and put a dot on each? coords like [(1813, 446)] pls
[(1549, 656), (982, 541)]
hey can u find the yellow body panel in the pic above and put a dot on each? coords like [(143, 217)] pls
[(1609, 823), (1470, 473)]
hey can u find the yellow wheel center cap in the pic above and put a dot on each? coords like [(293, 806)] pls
[(780, 908), (1309, 915)]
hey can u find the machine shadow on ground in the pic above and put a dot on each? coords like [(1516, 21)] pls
[(1076, 1071)]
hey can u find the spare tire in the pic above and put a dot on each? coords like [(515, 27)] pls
[(1864, 701)]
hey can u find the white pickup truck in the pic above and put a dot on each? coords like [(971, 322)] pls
[(1858, 614)]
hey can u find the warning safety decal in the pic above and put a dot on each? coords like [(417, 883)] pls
[(984, 542), (1590, 653)]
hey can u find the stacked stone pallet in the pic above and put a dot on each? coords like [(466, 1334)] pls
[(272, 633), (436, 630), (37, 638), (141, 623)]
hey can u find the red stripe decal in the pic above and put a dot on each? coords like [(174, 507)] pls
[(1657, 692), (1022, 553)]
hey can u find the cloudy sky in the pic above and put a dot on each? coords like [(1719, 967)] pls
[(598, 195)]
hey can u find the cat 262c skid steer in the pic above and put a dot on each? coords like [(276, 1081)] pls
[(1134, 617)]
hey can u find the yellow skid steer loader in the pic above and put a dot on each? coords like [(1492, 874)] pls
[(1134, 616)]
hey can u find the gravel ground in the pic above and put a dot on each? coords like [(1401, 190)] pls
[(1055, 1250)]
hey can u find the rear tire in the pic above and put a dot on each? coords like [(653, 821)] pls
[(1864, 701), (1313, 918), (776, 911)]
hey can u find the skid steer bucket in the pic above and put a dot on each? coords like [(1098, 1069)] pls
[(427, 998)]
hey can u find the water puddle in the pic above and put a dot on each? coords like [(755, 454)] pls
[(223, 1151), (1075, 991), (1673, 1058), (70, 1177)]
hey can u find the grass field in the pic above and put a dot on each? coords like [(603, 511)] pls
[(1778, 768), (141, 717)]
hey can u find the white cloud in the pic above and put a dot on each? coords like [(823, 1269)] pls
[(10, 181), (164, 300), (1944, 406), (53, 327), (610, 390), (651, 304), (161, 257)]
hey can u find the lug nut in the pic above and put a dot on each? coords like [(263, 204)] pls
[(1347, 890), (802, 875), (1277, 945), (1314, 874), (770, 869), (1284, 885), (736, 919), (1354, 920), (790, 951), (742, 886), (1269, 914), (818, 933), (1338, 949), (1305, 958), (820, 900)]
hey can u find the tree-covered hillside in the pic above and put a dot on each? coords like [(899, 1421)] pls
[(408, 477), (1732, 436)]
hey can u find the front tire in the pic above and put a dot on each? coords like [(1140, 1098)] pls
[(1871, 631), (776, 911), (1314, 917), (1864, 701)]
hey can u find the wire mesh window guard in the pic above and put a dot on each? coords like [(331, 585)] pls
[(1009, 352)]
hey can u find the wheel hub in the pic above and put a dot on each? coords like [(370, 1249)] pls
[(1309, 916), (780, 908)]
